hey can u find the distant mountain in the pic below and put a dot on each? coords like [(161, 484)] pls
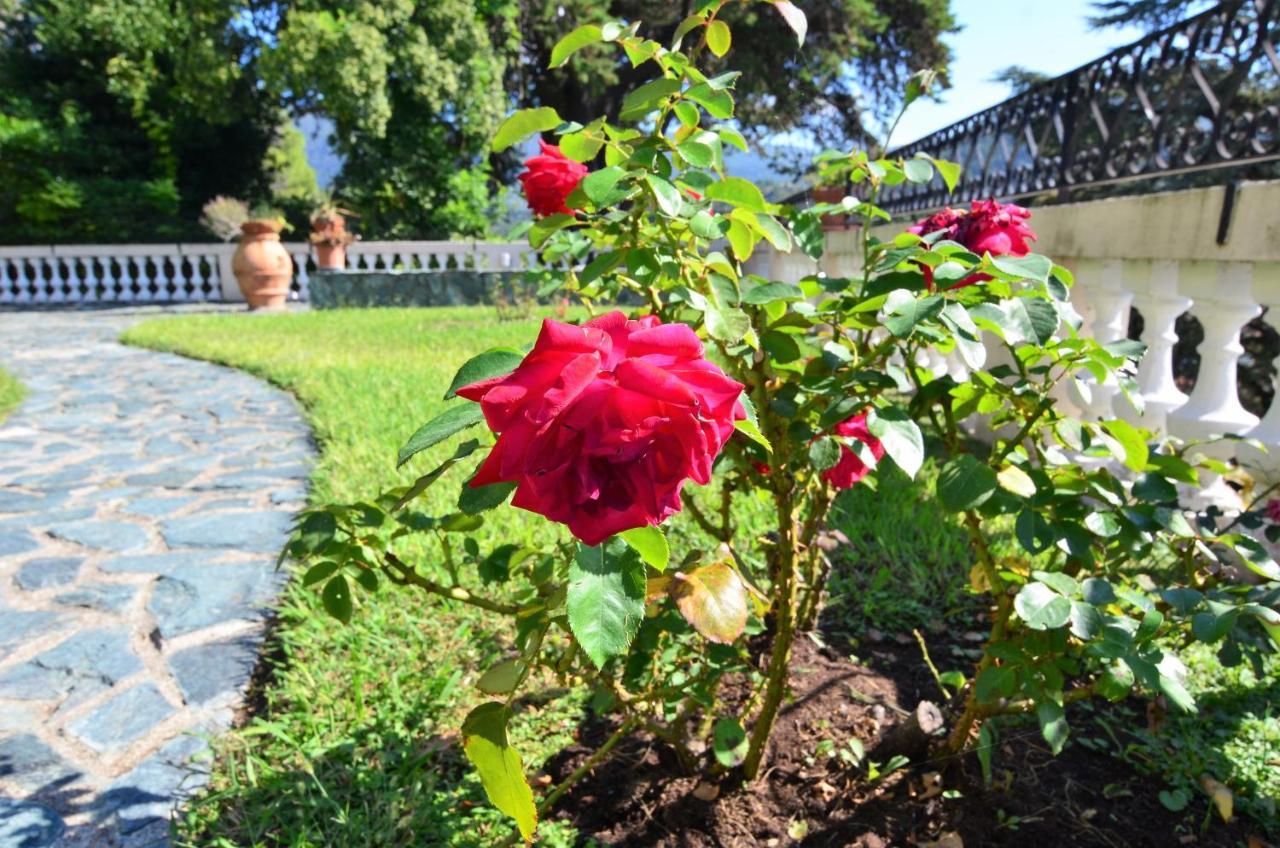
[(320, 153)]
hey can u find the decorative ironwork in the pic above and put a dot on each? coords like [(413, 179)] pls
[(1201, 94)]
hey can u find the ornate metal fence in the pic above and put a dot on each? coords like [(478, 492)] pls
[(1201, 94)]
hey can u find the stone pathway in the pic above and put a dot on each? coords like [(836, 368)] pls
[(143, 498)]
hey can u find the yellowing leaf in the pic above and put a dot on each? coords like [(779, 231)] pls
[(718, 37), (501, 678), (484, 740), (1220, 794), (1014, 479), (714, 600)]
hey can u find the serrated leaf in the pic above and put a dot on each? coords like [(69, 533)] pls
[(646, 98), (484, 741), (520, 125), (728, 324), (1035, 319), (713, 599), (605, 598), (769, 292), (824, 453), (494, 362), (1131, 440), (473, 500), (900, 437), (965, 483), (738, 192), (696, 153), (573, 42), (651, 544), (717, 102), (426, 480), (1041, 607), (453, 420), (950, 172), (904, 311), (1032, 266), (601, 187), (667, 195)]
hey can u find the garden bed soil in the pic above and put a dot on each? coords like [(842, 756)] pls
[(641, 798)]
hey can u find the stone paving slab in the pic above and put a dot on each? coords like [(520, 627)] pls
[(143, 498)]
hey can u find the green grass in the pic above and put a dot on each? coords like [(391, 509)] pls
[(356, 745), (11, 393)]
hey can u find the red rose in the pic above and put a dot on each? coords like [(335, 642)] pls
[(601, 424), (1273, 511), (850, 469), (549, 180), (987, 227)]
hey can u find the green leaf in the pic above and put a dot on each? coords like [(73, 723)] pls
[(544, 228), (484, 741), (904, 311), (717, 102), (494, 362), (1041, 607), (601, 187), (453, 420), (1033, 532), (728, 324), (696, 153), (1097, 591), (729, 741), (1086, 621), (650, 543), (718, 37), (965, 483), (1032, 266), (478, 499), (337, 598), (520, 125), (824, 453), (900, 437), (995, 682), (731, 136), (502, 678), (426, 480), (917, 170), (713, 599), (667, 195), (950, 172), (769, 292), (1014, 479), (708, 226), (1053, 725), (750, 426), (605, 598), (1062, 583), (319, 572), (573, 42), (738, 192), (645, 99), (1131, 439), (1034, 319)]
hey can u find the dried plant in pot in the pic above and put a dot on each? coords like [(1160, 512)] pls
[(329, 235)]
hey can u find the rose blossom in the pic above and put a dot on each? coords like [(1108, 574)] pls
[(850, 469), (987, 227), (549, 180), (1273, 510), (601, 424)]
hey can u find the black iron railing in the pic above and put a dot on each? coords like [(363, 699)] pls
[(1199, 95)]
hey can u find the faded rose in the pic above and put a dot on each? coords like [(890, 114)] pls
[(987, 227), (601, 424), (850, 469), (549, 179)]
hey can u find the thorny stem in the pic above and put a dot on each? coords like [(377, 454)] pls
[(405, 575)]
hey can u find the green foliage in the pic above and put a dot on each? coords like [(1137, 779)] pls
[(11, 393)]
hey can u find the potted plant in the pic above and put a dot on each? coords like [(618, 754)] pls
[(262, 267), (329, 235)]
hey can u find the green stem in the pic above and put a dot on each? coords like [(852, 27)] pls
[(405, 575)]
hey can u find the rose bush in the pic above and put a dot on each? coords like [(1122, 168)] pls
[(816, 383), (601, 425)]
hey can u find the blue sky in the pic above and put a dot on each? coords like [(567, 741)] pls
[(1044, 35)]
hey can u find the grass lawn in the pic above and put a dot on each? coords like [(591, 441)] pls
[(355, 741), (11, 393)]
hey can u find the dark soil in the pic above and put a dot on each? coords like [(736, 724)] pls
[(642, 798)]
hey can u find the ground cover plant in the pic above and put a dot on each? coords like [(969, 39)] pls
[(782, 394), (11, 393)]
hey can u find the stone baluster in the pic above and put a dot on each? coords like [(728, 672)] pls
[(1223, 295), (1266, 291), (1155, 295), (1103, 302)]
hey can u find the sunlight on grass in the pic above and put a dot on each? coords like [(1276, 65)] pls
[(11, 393)]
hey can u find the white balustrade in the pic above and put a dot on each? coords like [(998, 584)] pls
[(167, 273)]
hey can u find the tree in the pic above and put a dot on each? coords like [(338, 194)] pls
[(833, 90), (1019, 79), (119, 118), (414, 90), (1151, 14)]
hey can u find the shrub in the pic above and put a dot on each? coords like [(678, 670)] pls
[(787, 393)]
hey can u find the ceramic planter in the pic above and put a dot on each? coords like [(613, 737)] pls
[(262, 266)]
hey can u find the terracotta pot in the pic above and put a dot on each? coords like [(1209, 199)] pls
[(332, 256), (262, 266), (831, 194)]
